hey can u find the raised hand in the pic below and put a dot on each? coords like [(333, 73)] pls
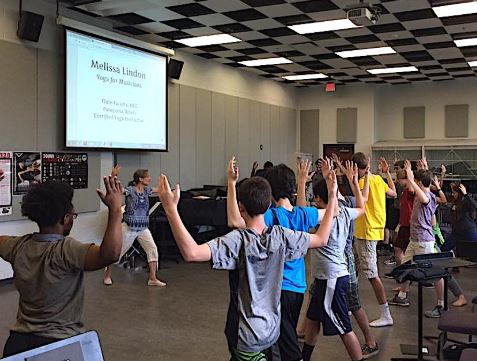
[(336, 158), (443, 169), (463, 189), (408, 169), (115, 171), (169, 198), (255, 165), (113, 198), (351, 172), (325, 166), (424, 163), (233, 170), (383, 165), (304, 166), (331, 183), (435, 182)]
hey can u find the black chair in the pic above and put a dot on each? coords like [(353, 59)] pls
[(469, 354), (457, 322)]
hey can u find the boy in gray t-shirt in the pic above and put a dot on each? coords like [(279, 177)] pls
[(255, 257), (328, 308)]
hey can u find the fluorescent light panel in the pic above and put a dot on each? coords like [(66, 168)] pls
[(402, 69), (267, 61), (473, 63), (209, 40), (305, 76), (321, 26), (366, 52), (466, 42), (455, 9)]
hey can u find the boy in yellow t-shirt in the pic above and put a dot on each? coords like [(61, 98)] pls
[(369, 228)]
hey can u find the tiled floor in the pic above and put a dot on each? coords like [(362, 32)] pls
[(185, 320)]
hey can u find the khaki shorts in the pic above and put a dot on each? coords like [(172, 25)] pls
[(366, 257), (415, 248)]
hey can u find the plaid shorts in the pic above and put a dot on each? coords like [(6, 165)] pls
[(354, 303)]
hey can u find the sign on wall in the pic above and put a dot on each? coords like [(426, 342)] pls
[(5, 183), (27, 171), (68, 167)]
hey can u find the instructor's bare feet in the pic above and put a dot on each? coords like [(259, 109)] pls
[(108, 281), (460, 301), (156, 283)]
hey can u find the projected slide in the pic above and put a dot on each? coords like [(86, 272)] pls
[(115, 95)]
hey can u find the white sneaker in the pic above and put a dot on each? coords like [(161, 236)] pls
[(108, 281), (156, 283), (382, 322)]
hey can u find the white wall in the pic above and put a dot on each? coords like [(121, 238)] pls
[(434, 96), (359, 96)]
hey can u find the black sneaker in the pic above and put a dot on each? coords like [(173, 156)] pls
[(398, 301), (435, 313), (390, 262), (369, 351)]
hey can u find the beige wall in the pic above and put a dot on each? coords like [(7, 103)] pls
[(214, 112)]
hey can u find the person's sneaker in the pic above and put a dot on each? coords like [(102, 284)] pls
[(435, 313), (382, 322), (156, 283), (369, 351), (390, 262), (108, 281), (398, 301)]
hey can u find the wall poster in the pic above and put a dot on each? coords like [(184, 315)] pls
[(5, 183), (68, 167), (27, 171)]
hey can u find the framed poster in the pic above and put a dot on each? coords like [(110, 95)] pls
[(68, 167), (27, 171), (5, 183)]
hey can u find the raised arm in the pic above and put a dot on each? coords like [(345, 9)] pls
[(421, 196), (190, 250), (254, 169), (304, 166), (320, 238), (110, 249), (443, 174), (234, 218), (391, 192), (351, 172), (336, 159), (441, 197), (470, 202)]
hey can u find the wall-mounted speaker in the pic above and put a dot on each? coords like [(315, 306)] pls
[(175, 68), (29, 26)]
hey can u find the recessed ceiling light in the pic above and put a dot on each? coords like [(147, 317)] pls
[(267, 61), (401, 69), (473, 63), (456, 9), (321, 26), (466, 42), (209, 40), (305, 76), (366, 52)]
